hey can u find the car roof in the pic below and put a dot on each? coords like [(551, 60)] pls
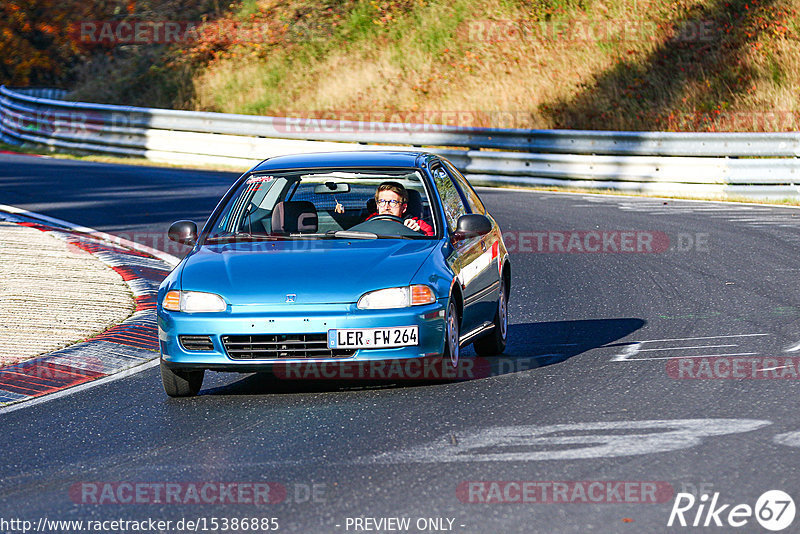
[(359, 158)]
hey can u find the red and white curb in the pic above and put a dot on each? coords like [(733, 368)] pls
[(12, 153), (123, 349)]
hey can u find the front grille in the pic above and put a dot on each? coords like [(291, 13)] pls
[(268, 346), (196, 342)]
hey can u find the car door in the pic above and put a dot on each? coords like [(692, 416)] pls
[(487, 266), (465, 256)]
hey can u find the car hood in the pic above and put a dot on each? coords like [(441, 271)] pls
[(316, 271)]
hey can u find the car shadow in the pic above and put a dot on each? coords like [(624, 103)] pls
[(530, 346), (533, 345)]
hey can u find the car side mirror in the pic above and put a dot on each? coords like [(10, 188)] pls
[(472, 225), (184, 232)]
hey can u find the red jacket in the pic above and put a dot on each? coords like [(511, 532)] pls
[(424, 227)]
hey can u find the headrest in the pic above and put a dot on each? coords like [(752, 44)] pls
[(297, 216), (414, 208)]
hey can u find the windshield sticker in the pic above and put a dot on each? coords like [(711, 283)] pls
[(259, 179)]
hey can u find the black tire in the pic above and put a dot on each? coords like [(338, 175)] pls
[(495, 341), (181, 383), (452, 331)]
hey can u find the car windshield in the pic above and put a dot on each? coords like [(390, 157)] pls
[(322, 204)]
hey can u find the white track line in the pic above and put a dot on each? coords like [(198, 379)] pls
[(686, 348), (685, 357), (695, 338)]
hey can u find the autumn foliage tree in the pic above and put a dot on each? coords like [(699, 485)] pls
[(39, 44), (35, 48)]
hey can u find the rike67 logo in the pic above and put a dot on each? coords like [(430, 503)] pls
[(774, 510)]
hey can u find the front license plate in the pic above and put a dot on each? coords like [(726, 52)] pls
[(373, 338)]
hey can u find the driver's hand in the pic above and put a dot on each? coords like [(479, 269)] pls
[(411, 223)]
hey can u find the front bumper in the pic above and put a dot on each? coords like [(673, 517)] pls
[(293, 319)]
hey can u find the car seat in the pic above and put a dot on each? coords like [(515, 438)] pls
[(295, 216), (414, 203)]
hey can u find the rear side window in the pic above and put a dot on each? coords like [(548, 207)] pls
[(472, 198), (451, 198)]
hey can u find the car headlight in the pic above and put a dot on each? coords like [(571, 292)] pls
[(193, 302), (396, 297)]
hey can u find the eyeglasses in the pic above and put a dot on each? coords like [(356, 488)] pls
[(392, 203)]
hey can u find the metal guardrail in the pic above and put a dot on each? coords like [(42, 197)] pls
[(747, 164)]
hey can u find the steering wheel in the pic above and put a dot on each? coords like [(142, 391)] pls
[(387, 217), (386, 225)]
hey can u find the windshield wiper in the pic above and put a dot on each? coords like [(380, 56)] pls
[(352, 234), (358, 234), (244, 236)]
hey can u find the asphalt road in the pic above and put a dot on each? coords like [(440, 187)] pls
[(589, 409)]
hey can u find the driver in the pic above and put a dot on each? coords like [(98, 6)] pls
[(391, 198)]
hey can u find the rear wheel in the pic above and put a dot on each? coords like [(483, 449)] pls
[(181, 383), (495, 341), (452, 327)]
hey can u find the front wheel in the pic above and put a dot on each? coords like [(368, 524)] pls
[(181, 383), (495, 341), (452, 327)]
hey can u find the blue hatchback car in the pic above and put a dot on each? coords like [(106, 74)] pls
[(335, 258)]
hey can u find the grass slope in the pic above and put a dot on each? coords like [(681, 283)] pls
[(690, 65)]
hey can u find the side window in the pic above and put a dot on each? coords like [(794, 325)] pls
[(474, 202), (451, 199)]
